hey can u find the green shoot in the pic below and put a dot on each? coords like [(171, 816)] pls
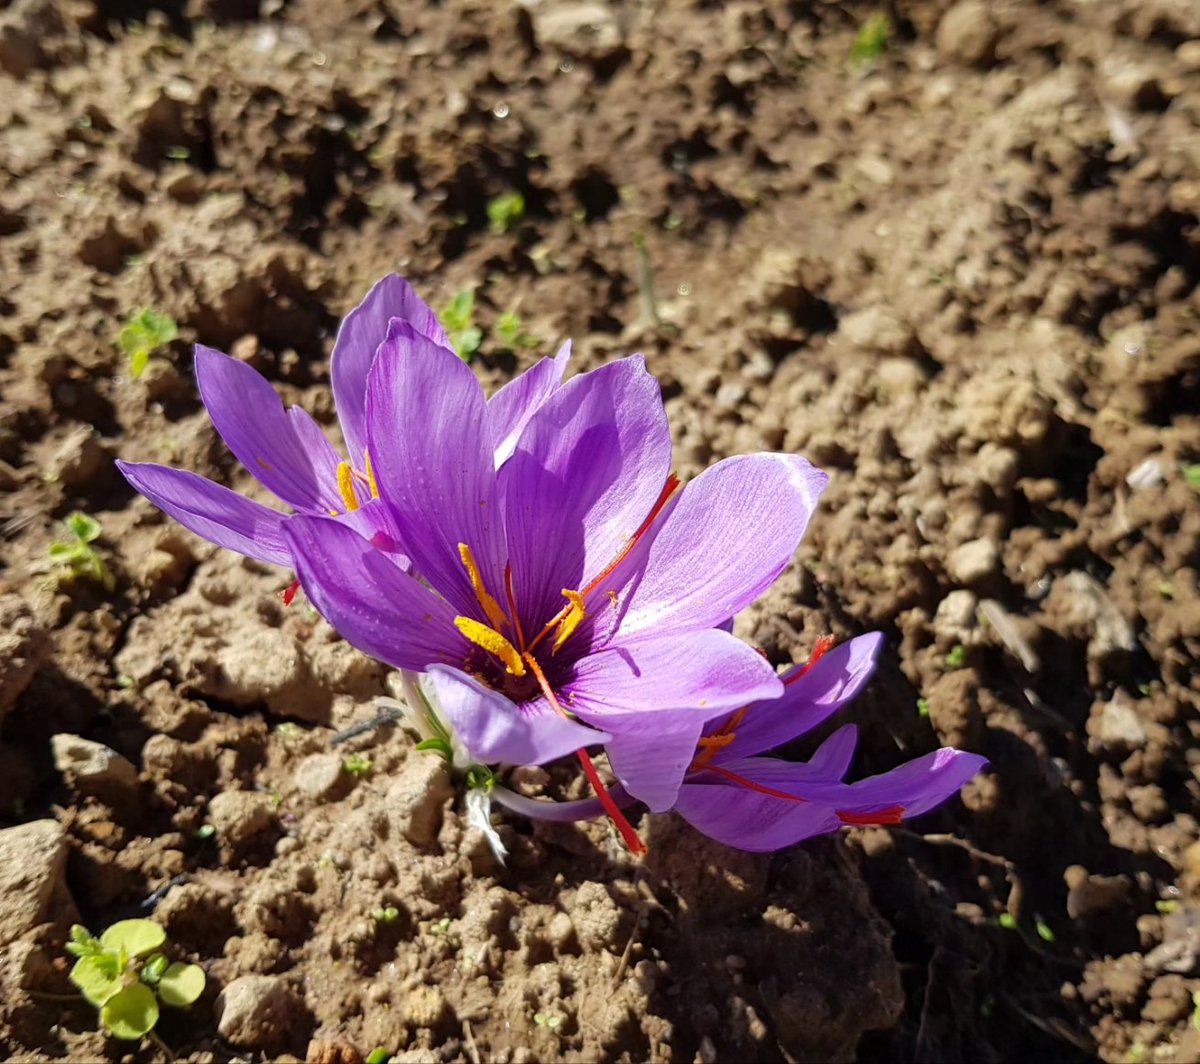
[(124, 975), (378, 1055), (871, 41), (1196, 1009), (440, 927), (458, 319), (957, 657), (387, 914), (204, 832), (1191, 474), (1007, 921), (512, 332), (76, 557), (289, 731), (143, 334), (923, 707), (1043, 929), (505, 211), (357, 764), (1167, 907), (549, 1020)]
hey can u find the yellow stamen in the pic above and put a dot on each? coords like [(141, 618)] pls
[(493, 642), (345, 478), (570, 622), (370, 475), (490, 606)]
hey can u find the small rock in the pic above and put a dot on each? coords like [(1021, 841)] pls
[(416, 801), (587, 29), (1148, 473), (968, 34), (955, 617), (425, 1006), (92, 768), (900, 376), (1111, 632), (596, 917), (320, 777), (33, 860), (974, 562), (260, 1012), (239, 815), (1117, 724), (79, 458), (878, 330), (1088, 895), (24, 645), (561, 932), (266, 665)]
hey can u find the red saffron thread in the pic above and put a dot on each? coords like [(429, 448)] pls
[(893, 814), (288, 594)]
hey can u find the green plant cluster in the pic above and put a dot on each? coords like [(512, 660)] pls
[(76, 557), (144, 333)]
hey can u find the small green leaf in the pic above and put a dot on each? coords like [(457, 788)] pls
[(923, 707), (145, 332), (1043, 930), (131, 1014), (97, 977), (83, 526), (378, 1055), (505, 210), (181, 985), (957, 657), (871, 41), (136, 937), (1191, 474), (1007, 921), (1167, 907), (152, 970), (438, 745), (357, 764)]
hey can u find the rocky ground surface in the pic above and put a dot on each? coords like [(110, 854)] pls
[(960, 274)]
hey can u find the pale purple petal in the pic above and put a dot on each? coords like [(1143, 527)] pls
[(917, 785), (326, 459), (219, 515), (510, 409), (819, 693), (734, 530), (655, 698), (497, 731), (586, 472), (359, 337), (372, 602), (250, 417), (431, 452), (746, 820)]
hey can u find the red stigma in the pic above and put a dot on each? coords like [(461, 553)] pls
[(893, 814), (288, 594), (758, 788), (820, 648)]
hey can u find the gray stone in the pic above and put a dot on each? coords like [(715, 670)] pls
[(259, 1012), (240, 815), (968, 34), (974, 562), (416, 801), (91, 767), (33, 859), (320, 777), (587, 28)]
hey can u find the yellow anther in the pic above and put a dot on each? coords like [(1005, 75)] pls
[(715, 742), (490, 606), (370, 474), (345, 477), (493, 642), (571, 621)]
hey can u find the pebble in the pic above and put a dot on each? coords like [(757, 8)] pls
[(955, 617), (968, 34), (33, 860), (588, 29), (425, 1006), (91, 767), (416, 800), (1118, 724), (259, 1011), (1088, 895), (239, 815), (320, 776), (974, 562), (877, 329)]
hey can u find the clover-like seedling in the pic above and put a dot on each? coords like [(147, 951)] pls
[(387, 914), (549, 1020), (75, 557), (871, 40), (458, 319), (125, 975), (957, 657), (511, 331), (357, 764), (144, 333), (505, 211)]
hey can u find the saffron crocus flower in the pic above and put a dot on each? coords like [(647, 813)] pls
[(287, 451), (750, 802), (573, 596)]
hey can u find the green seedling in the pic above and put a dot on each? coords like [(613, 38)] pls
[(957, 657), (76, 557), (289, 731), (1191, 474), (204, 832), (143, 334), (511, 331), (1167, 907), (923, 707), (1043, 929), (1007, 921), (549, 1020), (388, 914), (378, 1055), (458, 319), (1196, 1009), (505, 211), (440, 927), (357, 764), (125, 975), (871, 40)]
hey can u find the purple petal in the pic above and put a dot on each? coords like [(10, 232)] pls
[(510, 409), (746, 820), (496, 730), (359, 337), (431, 451), (369, 600), (219, 515), (734, 530), (819, 693), (587, 470), (917, 785), (655, 699), (289, 460)]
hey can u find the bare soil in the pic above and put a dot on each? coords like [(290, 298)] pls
[(962, 277)]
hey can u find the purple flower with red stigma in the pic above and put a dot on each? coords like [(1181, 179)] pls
[(289, 454), (573, 596), (750, 802)]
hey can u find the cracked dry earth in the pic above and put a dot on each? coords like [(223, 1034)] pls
[(962, 277)]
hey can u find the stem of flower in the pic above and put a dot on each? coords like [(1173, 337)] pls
[(563, 812)]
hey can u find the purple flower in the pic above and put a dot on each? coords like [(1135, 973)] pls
[(287, 451), (761, 803), (570, 597)]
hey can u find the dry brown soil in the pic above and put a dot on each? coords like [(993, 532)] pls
[(962, 277)]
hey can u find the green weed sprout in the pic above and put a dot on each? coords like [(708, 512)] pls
[(1191, 474), (124, 974), (357, 764), (957, 657), (505, 211), (511, 331), (548, 1020), (458, 319), (387, 914), (871, 40), (143, 334), (378, 1055), (76, 557)]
